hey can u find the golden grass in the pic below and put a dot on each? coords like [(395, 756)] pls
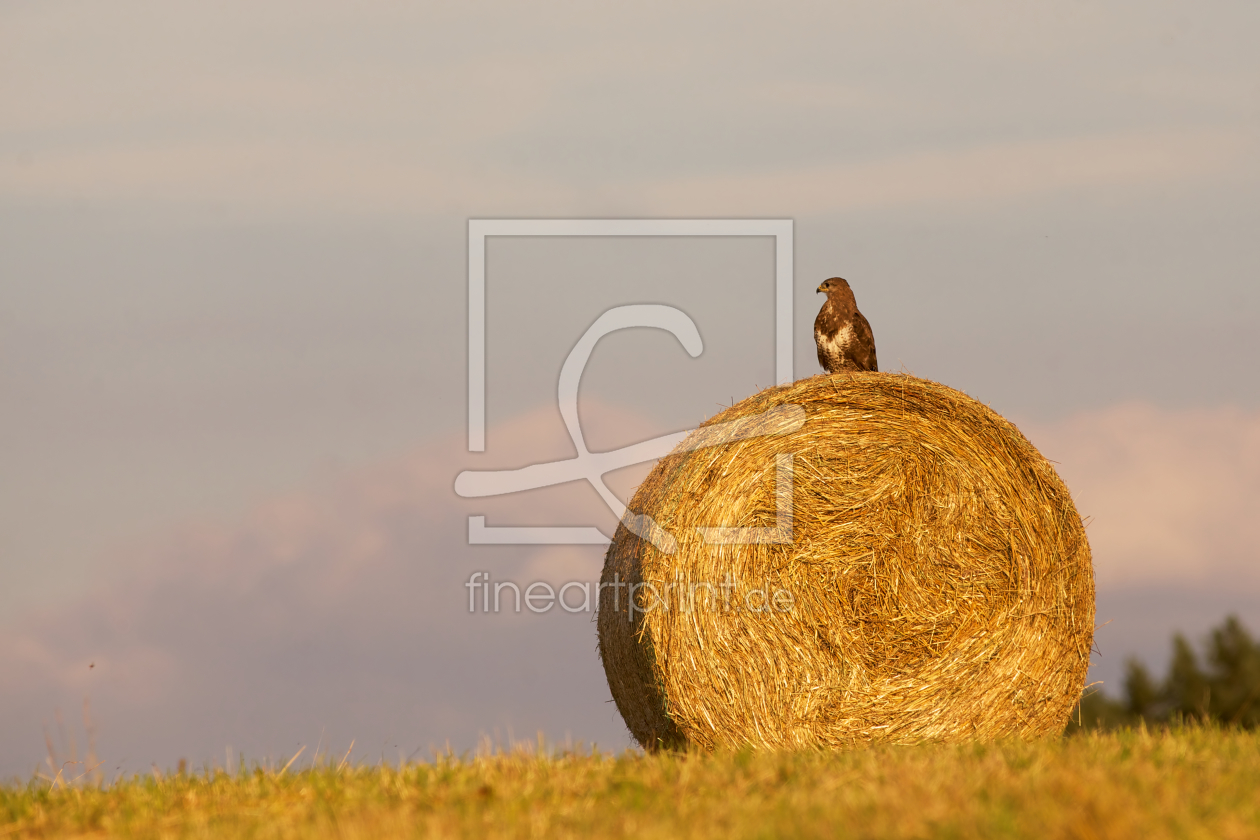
[(1187, 783), (936, 584)]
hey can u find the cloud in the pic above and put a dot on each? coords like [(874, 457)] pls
[(1171, 495), (294, 177), (308, 110), (340, 610), (993, 173), (301, 176)]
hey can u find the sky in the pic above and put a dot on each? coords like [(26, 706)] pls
[(233, 323)]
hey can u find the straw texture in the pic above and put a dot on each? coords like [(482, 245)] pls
[(919, 573)]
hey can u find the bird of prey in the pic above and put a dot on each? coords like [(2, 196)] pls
[(843, 334)]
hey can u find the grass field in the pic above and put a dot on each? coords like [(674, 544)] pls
[(1190, 782)]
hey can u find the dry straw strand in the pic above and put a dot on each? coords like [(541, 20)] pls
[(938, 584)]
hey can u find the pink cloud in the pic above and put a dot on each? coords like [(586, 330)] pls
[(340, 608), (993, 174), (1172, 496)]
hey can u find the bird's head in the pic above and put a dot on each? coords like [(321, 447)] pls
[(836, 286)]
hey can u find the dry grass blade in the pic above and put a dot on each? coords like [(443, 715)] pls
[(285, 768), (345, 759)]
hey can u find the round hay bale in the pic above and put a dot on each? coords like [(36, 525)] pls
[(918, 572)]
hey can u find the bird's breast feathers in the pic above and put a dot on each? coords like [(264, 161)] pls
[(836, 342)]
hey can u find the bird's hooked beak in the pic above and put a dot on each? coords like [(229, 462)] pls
[(823, 287)]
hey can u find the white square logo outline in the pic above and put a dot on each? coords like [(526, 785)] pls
[(479, 229)]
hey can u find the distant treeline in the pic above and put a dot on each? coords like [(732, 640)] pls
[(1222, 686)]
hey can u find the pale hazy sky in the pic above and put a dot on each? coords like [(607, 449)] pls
[(232, 271)]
